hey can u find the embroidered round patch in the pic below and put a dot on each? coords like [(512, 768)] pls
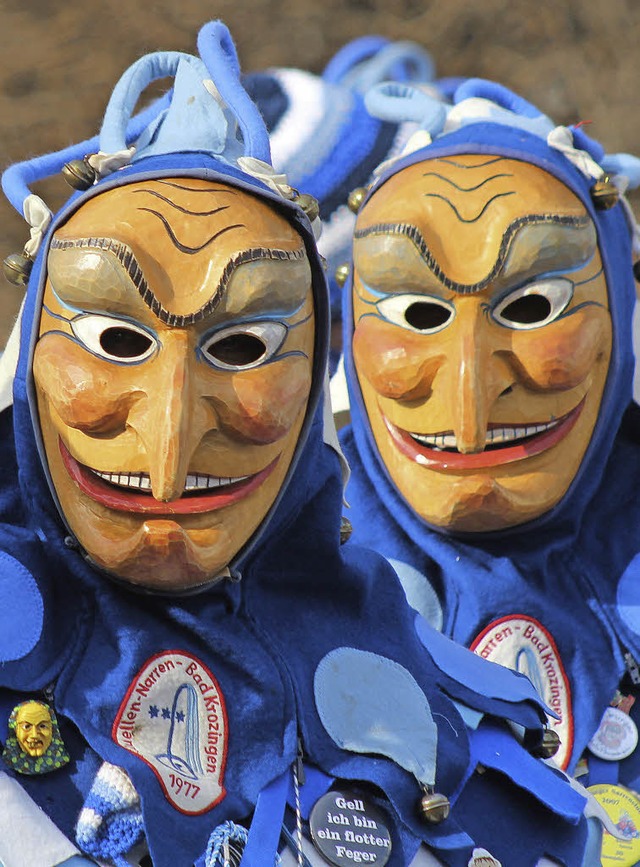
[(347, 830), (623, 808), (523, 644), (616, 737), (174, 718)]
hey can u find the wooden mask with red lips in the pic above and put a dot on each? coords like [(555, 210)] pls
[(172, 368)]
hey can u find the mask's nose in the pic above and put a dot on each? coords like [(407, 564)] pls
[(473, 375), (171, 420)]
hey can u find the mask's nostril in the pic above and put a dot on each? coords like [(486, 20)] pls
[(507, 390)]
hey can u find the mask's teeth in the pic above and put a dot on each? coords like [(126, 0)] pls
[(495, 436), (194, 482)]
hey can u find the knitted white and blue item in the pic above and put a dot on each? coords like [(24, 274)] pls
[(110, 823)]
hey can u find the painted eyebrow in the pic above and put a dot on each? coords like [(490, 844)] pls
[(124, 254), (414, 234)]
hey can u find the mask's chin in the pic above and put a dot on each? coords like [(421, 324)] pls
[(160, 557)]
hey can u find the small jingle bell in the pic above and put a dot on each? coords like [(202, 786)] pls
[(346, 529), (79, 174), (309, 205), (548, 745), (434, 807), (341, 274), (17, 268), (356, 198), (604, 194)]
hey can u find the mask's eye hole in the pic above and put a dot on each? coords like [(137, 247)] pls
[(534, 305), (422, 313), (241, 347), (113, 339)]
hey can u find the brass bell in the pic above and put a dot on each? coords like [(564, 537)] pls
[(548, 746), (346, 530), (309, 205), (341, 274), (17, 268), (604, 194), (434, 807), (79, 174), (356, 198)]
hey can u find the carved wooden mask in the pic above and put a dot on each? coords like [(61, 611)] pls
[(482, 337), (172, 370)]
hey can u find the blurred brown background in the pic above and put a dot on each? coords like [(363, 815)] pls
[(575, 59)]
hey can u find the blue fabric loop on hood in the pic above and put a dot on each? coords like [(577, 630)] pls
[(491, 90), (370, 59)]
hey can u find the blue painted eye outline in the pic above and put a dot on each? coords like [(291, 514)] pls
[(394, 309), (271, 333), (556, 291), (89, 328)]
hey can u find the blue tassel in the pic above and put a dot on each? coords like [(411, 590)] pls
[(224, 836)]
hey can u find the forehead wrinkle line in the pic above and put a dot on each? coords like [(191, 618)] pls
[(480, 212), (414, 234), (127, 259), (149, 192), (184, 248)]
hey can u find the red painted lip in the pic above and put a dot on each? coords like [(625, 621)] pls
[(123, 500), (443, 460)]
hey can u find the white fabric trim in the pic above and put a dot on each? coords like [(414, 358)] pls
[(105, 164), (38, 215), (28, 837), (561, 139), (339, 391), (330, 434)]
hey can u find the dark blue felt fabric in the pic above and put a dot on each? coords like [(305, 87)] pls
[(299, 597), (572, 570)]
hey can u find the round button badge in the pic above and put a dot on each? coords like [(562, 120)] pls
[(347, 830), (616, 738), (623, 808)]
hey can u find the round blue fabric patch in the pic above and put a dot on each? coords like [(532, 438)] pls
[(419, 592), (21, 610), (628, 595)]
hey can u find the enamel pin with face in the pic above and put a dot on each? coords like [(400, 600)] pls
[(482, 337), (172, 370), (34, 745)]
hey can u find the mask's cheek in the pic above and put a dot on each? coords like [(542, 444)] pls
[(562, 355), (86, 393), (262, 405), (397, 363)]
